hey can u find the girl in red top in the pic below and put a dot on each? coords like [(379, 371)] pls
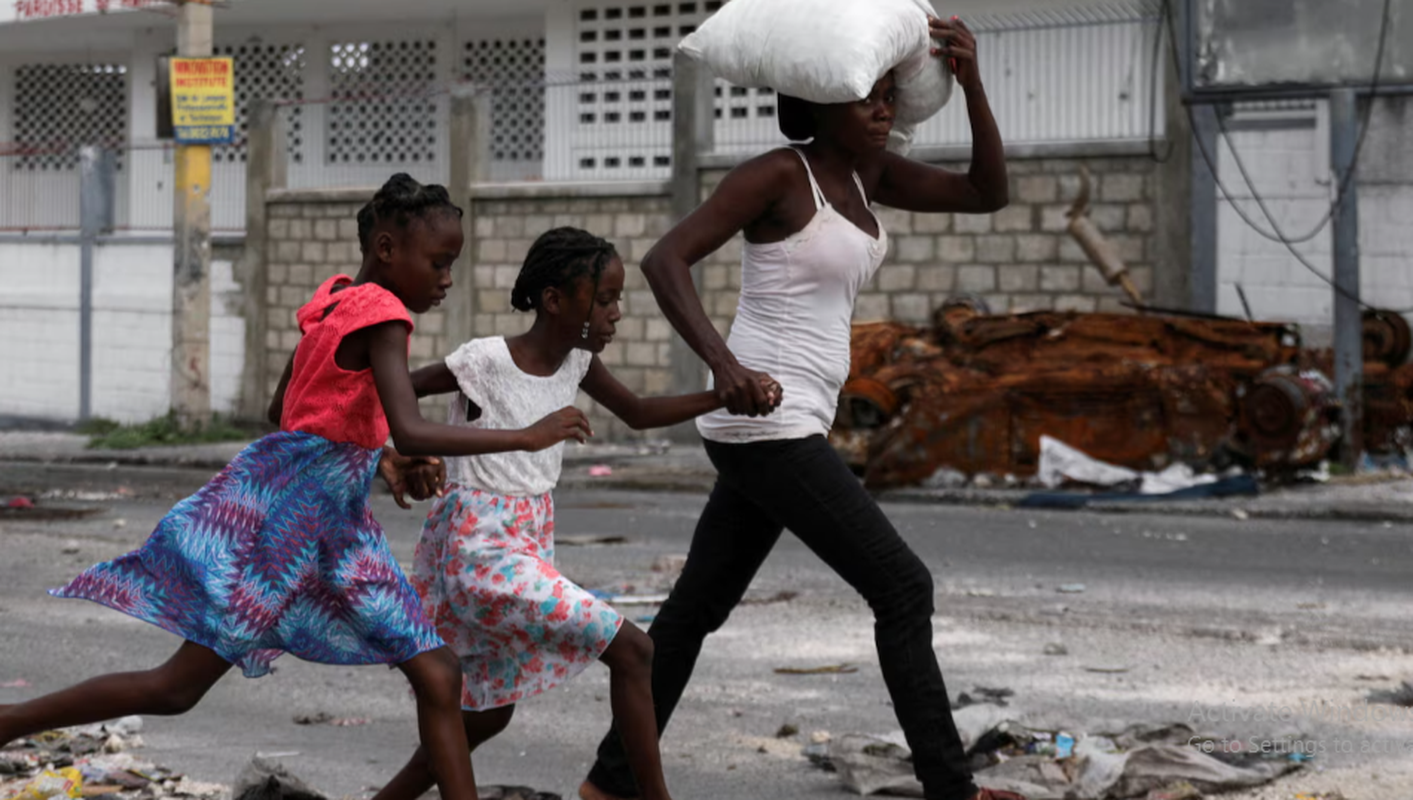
[(280, 553)]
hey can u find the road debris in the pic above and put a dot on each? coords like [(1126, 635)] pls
[(262, 779), (590, 539), (1139, 762), (833, 669), (670, 564), (600, 471), (1402, 695), (92, 761), (1070, 588), (786, 731), (325, 718), (778, 597), (983, 694), (1056, 649), (18, 683)]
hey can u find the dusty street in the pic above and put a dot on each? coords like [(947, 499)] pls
[(1208, 621)]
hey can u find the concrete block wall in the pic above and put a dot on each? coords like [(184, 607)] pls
[(503, 232), (309, 242), (1020, 259)]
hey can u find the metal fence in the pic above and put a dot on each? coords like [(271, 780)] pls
[(39, 188)]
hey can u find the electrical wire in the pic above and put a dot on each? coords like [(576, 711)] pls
[(1260, 201), (1279, 236)]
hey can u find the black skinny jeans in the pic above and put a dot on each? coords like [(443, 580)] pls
[(802, 484)]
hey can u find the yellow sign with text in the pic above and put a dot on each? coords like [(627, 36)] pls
[(203, 100)]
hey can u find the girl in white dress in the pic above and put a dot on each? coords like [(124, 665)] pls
[(485, 564)]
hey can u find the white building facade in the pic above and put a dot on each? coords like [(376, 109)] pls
[(579, 90)]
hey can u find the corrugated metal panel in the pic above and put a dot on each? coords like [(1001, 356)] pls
[(1068, 17), (1053, 77)]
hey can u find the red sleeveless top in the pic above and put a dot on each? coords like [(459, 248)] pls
[(322, 398)]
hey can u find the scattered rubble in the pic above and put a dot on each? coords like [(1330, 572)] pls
[(983, 694), (263, 779), (779, 597), (325, 718), (1140, 761), (590, 540), (92, 762), (832, 669), (1402, 695)]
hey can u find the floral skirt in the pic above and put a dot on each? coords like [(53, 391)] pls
[(485, 572), (279, 553)]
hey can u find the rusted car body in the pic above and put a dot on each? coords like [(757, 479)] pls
[(974, 393)]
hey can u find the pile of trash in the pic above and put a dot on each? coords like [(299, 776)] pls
[(1135, 762), (91, 762)]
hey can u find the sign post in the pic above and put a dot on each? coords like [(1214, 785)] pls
[(203, 113)]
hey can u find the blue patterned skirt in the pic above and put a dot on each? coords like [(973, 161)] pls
[(279, 553)]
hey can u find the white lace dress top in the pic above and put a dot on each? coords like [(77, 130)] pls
[(509, 399)]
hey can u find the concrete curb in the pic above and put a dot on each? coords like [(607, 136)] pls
[(658, 468)]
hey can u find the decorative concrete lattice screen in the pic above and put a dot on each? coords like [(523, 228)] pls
[(60, 107), (624, 105), (269, 72), (383, 111), (514, 69)]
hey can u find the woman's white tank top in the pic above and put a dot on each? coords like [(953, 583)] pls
[(794, 320)]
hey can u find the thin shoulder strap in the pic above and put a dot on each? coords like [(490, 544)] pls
[(819, 201), (859, 183)]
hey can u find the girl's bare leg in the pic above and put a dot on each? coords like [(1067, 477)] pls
[(171, 689), (417, 776), (630, 661), (436, 681)]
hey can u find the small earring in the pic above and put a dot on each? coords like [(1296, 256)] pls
[(585, 334)]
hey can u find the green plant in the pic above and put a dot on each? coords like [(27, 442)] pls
[(164, 430), (98, 426)]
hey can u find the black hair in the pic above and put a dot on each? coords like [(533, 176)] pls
[(401, 200), (795, 117), (558, 258)]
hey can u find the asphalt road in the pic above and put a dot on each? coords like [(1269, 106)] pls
[(1164, 619)]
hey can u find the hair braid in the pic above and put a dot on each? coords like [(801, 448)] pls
[(557, 259), (398, 202)]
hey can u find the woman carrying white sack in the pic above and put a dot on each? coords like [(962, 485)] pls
[(811, 243)]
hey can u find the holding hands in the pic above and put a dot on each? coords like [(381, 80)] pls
[(420, 476), (747, 392)]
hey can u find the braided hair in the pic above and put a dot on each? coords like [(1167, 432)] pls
[(557, 259), (401, 200)]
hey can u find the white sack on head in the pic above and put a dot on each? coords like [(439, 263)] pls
[(826, 51)]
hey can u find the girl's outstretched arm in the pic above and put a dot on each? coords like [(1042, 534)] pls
[(277, 403), (642, 413), (434, 379), (415, 436)]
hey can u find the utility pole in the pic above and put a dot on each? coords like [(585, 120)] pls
[(191, 229), (1348, 317)]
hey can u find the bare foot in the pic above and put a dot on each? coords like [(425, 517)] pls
[(588, 791), (996, 794)]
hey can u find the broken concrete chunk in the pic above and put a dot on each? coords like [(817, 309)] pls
[(267, 780)]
